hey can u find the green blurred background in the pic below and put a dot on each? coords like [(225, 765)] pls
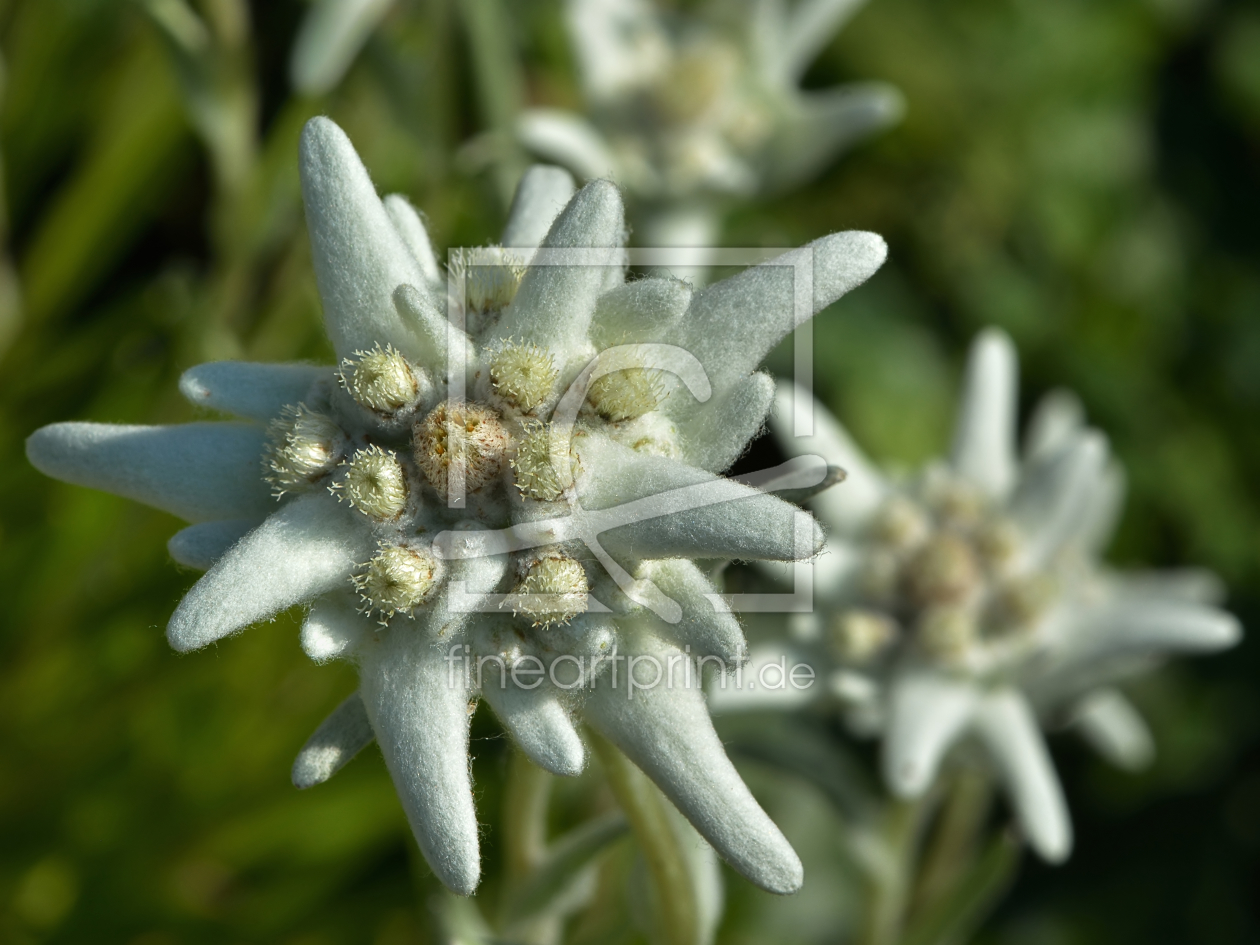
[(1083, 173)]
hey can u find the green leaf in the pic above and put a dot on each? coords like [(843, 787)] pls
[(562, 864), (955, 919)]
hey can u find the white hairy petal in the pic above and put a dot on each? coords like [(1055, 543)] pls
[(1115, 729), (419, 710), (333, 628), (358, 255), (1102, 514), (554, 304), (707, 631), (716, 434), (410, 226), (733, 324), (567, 139), (1055, 497), (540, 196), (253, 391), (307, 548), (984, 438), (1006, 725), (198, 471), (200, 546), (340, 737), (1192, 585), (849, 505), (425, 312), (537, 721), (722, 518), (666, 731), (1055, 422), (639, 311), (819, 126), (617, 43), (1129, 628), (927, 714), (330, 36)]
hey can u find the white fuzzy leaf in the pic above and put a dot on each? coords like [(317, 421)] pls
[(340, 737), (666, 731), (1007, 727), (927, 714), (410, 226), (334, 627), (984, 437), (1115, 729), (554, 303), (358, 255), (307, 548), (537, 721), (567, 139), (716, 518), (849, 505), (253, 391), (733, 324), (707, 631), (716, 434), (200, 546), (331, 34), (419, 709), (540, 196), (198, 471), (640, 311)]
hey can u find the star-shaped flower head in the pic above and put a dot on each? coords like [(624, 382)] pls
[(492, 504), (688, 108), (968, 601)]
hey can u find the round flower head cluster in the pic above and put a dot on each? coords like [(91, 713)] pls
[(683, 108), (968, 601), (513, 467)]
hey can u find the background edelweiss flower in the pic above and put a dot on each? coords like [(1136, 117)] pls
[(968, 599), (686, 108), (396, 481)]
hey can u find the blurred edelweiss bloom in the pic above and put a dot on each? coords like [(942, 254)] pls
[(705, 105), (967, 602), (506, 531)]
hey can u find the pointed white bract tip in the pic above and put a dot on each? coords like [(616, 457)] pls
[(843, 261), (781, 872), (1054, 844), (594, 217), (1221, 631), (541, 195)]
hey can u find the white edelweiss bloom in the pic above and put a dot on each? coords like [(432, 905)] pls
[(463, 521), (968, 600), (682, 109)]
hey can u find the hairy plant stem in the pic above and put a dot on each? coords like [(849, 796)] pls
[(955, 840), (645, 807), (525, 815), (890, 880)]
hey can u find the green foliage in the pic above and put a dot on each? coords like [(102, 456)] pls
[(1084, 173)]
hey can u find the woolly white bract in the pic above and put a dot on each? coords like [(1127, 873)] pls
[(967, 601), (446, 501), (683, 109)]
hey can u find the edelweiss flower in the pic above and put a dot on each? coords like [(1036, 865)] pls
[(499, 512), (968, 600), (681, 110)]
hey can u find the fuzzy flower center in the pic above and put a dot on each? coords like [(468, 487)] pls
[(942, 568), (462, 440)]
